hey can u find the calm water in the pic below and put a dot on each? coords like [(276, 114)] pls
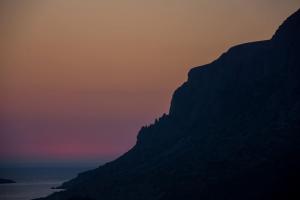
[(34, 182)]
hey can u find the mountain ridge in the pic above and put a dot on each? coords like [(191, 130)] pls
[(232, 132)]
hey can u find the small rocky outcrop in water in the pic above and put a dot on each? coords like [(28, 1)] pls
[(233, 132), (4, 181)]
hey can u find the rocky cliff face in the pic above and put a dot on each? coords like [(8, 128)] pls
[(232, 133)]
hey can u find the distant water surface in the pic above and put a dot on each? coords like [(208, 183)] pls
[(35, 181)]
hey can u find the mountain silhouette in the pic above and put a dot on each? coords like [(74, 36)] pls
[(232, 132)]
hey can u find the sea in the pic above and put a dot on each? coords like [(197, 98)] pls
[(36, 181)]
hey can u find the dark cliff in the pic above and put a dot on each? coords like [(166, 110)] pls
[(232, 133)]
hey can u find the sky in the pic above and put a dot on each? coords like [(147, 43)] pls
[(79, 78)]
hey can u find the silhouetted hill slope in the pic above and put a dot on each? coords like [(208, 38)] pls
[(232, 133)]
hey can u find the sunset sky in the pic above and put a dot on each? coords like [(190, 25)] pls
[(79, 78)]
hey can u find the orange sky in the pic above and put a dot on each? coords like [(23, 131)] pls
[(80, 77)]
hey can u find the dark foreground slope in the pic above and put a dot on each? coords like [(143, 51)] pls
[(233, 132)]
